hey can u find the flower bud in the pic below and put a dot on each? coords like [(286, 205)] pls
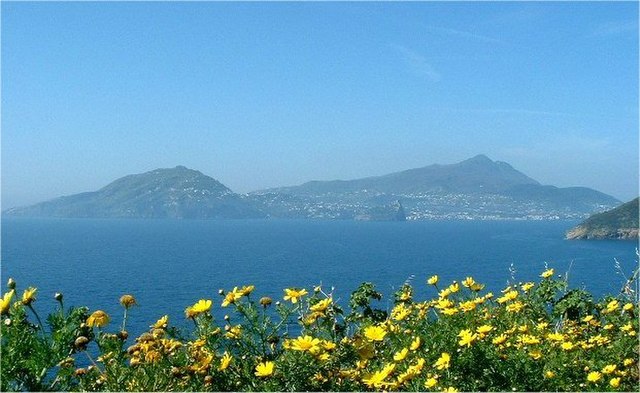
[(265, 301), (273, 339), (221, 292), (66, 362), (208, 380), (7, 322), (127, 301), (11, 284), (123, 335), (58, 296), (81, 343), (226, 317), (80, 372)]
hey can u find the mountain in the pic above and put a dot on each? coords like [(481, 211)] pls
[(477, 188), (618, 223), (477, 174), (162, 193)]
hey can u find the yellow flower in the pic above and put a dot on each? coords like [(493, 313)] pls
[(328, 345), (555, 336), (152, 356), (466, 338), (549, 374), (5, 303), (29, 296), (247, 289), (535, 354), (433, 280), (444, 293), (415, 344), (468, 306), (511, 295), (476, 287), (594, 376), (264, 369), (322, 305), (430, 382), (612, 306), (375, 333), (399, 356), (127, 301), (406, 295), (451, 389), (450, 311), (628, 307), (528, 339), (444, 303), (527, 286), (99, 318), (234, 295), (233, 332), (567, 346), (400, 312), (454, 287), (628, 362), (484, 329), (161, 323), (609, 368), (615, 382), (294, 295), (515, 307), (443, 361), (542, 325), (627, 327), (547, 273), (306, 343), (377, 379), (225, 360), (468, 282), (500, 339), (201, 306)]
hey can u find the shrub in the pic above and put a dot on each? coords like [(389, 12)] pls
[(532, 336)]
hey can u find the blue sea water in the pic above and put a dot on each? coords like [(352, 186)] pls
[(169, 264)]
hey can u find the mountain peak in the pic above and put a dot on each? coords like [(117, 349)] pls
[(480, 158)]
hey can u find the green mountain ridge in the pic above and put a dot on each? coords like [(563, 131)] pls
[(476, 174), (162, 193), (477, 188), (618, 223)]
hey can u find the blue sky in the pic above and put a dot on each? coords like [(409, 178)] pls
[(264, 95)]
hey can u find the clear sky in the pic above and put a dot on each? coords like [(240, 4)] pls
[(274, 94)]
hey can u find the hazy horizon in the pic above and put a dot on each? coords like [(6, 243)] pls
[(277, 94)]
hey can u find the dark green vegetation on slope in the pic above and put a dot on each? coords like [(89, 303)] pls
[(618, 223), (477, 188)]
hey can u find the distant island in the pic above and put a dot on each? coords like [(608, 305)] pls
[(478, 188), (618, 223)]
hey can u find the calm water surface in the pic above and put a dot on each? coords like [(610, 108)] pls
[(169, 264)]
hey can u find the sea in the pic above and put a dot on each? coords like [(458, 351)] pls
[(168, 265)]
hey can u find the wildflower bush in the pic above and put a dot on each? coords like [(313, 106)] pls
[(531, 336)]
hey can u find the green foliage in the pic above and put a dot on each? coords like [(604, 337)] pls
[(534, 336)]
